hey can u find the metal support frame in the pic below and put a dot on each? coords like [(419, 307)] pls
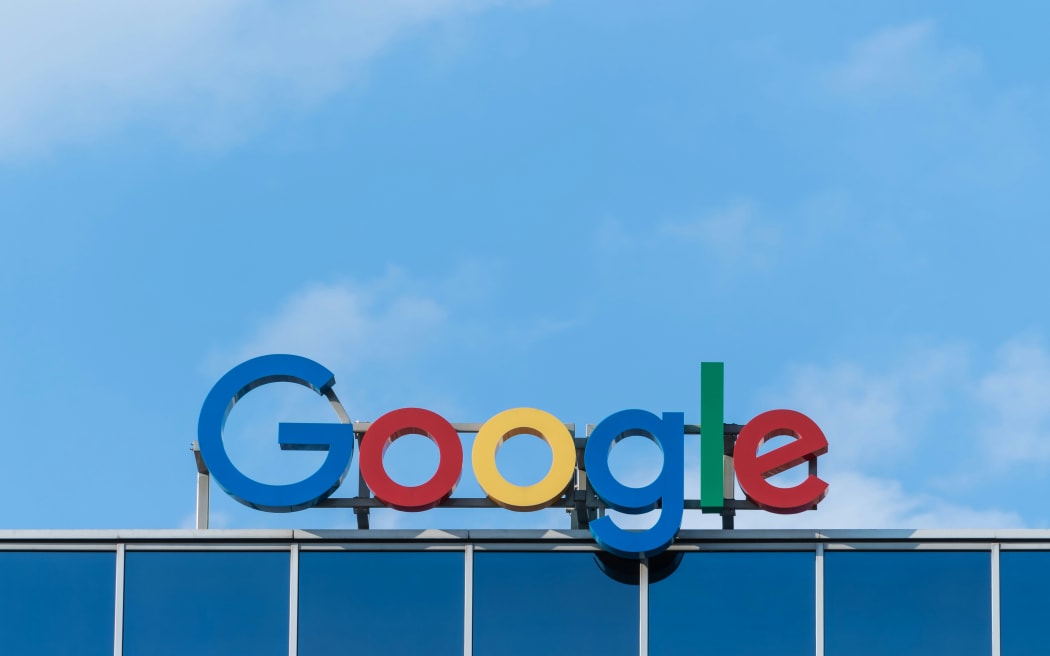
[(293, 601), (203, 488), (361, 512), (118, 605), (586, 505), (579, 499), (996, 616), (818, 614), (468, 600), (643, 607), (729, 435)]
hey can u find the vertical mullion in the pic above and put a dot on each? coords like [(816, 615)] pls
[(468, 600), (643, 608), (293, 602), (819, 600), (118, 604), (996, 617)]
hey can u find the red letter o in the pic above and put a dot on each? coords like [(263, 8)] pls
[(411, 421)]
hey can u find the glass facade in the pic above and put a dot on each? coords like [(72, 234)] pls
[(718, 599), (361, 603), (551, 603), (908, 603), (860, 595), (206, 602), (55, 603), (1024, 583)]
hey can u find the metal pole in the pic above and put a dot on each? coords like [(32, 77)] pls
[(293, 602), (643, 608), (203, 488), (203, 501), (819, 600), (996, 617), (118, 605), (468, 601)]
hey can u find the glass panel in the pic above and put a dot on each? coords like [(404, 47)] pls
[(1024, 578), (57, 603), (903, 603), (551, 603), (380, 603), (735, 603), (214, 603)]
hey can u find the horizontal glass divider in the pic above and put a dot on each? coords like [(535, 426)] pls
[(908, 546), (844, 539), (482, 547), (1024, 546), (56, 546), (379, 546), (222, 546), (714, 547)]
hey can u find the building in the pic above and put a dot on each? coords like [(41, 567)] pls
[(491, 592)]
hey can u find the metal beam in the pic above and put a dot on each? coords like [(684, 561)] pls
[(581, 500), (468, 600), (643, 608), (819, 600), (293, 601), (118, 605), (996, 616), (203, 488)]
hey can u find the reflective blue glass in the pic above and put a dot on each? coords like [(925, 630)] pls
[(1024, 579), (381, 603), (551, 603), (57, 603), (735, 603), (206, 603), (907, 603)]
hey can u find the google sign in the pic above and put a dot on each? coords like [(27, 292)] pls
[(666, 492)]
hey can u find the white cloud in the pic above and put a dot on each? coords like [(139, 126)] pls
[(359, 331), (345, 324), (873, 416), (1017, 395), (210, 69), (856, 500), (905, 59), (738, 234), (734, 232)]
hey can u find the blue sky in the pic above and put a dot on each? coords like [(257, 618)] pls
[(473, 206)]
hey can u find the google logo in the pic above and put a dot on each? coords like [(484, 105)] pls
[(752, 467)]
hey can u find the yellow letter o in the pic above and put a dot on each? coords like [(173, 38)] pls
[(506, 425)]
